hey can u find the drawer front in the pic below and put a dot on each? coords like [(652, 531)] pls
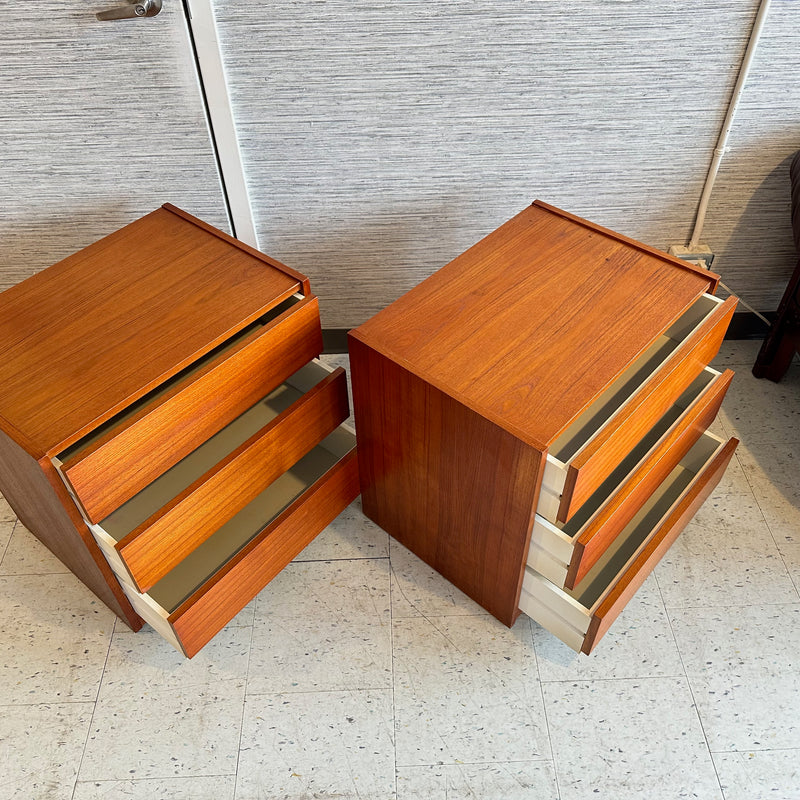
[(140, 448), (604, 526), (215, 603), (151, 550), (594, 462), (580, 623), (564, 554)]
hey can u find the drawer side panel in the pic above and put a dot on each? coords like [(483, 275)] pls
[(450, 485)]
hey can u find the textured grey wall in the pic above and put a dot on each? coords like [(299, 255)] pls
[(100, 122), (381, 139)]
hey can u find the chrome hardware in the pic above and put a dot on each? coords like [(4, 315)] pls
[(141, 8)]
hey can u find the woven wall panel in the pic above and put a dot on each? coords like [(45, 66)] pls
[(100, 122), (381, 139)]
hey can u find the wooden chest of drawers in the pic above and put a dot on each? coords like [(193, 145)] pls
[(532, 418), (165, 427)]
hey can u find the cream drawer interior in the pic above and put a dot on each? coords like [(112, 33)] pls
[(111, 530), (568, 613), (589, 424), (552, 543), (200, 566)]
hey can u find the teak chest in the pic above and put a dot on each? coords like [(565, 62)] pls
[(165, 427), (532, 419)]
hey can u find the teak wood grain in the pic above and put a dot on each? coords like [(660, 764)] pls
[(556, 311), (88, 336), (215, 603), (135, 452), (39, 498), (161, 542), (594, 462), (607, 523), (447, 483), (615, 600)]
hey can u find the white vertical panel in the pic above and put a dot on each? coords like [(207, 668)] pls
[(380, 139), (100, 122)]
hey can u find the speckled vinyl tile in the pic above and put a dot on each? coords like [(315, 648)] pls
[(325, 626), (418, 590), (317, 744), (517, 780), (54, 636), (350, 535), (26, 555), (466, 690), (628, 739), (737, 354), (333, 589), (710, 567), (160, 715), (759, 774), (40, 750), (639, 644), (763, 411), (743, 664), (210, 788)]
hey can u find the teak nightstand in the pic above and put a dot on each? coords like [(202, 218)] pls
[(532, 418), (165, 427)]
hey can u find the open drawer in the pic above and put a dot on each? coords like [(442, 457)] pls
[(207, 588), (149, 535), (591, 448), (564, 552), (121, 457), (581, 616)]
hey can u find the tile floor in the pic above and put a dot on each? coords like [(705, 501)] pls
[(359, 673)]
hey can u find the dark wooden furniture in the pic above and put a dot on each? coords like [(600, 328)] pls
[(165, 428), (532, 418), (782, 342)]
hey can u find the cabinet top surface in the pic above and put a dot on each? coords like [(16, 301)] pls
[(83, 338), (529, 325)]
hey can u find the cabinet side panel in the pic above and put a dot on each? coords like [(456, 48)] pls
[(39, 501), (454, 488)]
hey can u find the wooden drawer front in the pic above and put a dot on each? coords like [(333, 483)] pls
[(110, 466), (200, 595), (179, 510), (565, 552), (153, 548), (592, 447), (581, 616)]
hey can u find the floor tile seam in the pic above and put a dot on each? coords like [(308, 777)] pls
[(672, 676), (347, 690), (694, 701), (543, 760), (8, 543), (12, 706), (94, 709), (756, 750), (338, 560), (727, 606), (157, 778), (392, 673), (244, 707), (550, 747)]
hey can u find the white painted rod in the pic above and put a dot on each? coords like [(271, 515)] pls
[(719, 150)]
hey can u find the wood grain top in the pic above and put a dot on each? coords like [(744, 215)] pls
[(529, 325), (82, 339)]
